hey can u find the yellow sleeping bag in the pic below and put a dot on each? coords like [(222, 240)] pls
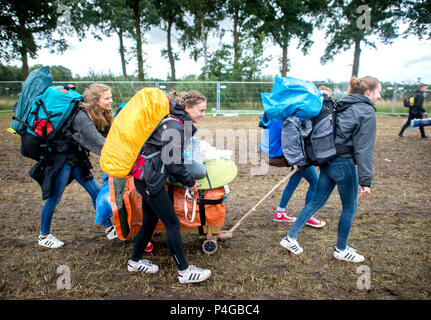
[(130, 129)]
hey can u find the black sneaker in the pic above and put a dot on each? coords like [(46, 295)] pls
[(425, 137)]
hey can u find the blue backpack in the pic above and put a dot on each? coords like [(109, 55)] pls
[(41, 111), (51, 110)]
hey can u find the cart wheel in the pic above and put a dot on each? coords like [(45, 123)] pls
[(209, 246), (150, 247)]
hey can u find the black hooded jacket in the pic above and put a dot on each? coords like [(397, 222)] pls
[(166, 144), (418, 108)]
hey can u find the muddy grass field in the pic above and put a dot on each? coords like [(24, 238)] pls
[(391, 229)]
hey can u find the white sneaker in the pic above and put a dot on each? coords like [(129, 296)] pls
[(291, 244), (349, 254), (112, 234), (50, 242), (194, 274), (142, 265)]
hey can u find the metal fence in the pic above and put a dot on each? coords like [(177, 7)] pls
[(224, 97)]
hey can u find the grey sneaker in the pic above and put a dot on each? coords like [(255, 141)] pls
[(194, 274)]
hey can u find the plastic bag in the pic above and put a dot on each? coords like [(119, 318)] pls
[(103, 202), (291, 96), (193, 159), (209, 152)]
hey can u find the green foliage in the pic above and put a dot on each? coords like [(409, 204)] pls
[(343, 31), (417, 14), (10, 73), (21, 23)]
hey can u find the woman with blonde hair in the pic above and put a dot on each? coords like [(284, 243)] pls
[(84, 131), (355, 134)]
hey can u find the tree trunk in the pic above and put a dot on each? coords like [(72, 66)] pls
[(236, 48), (137, 18), (284, 61), (204, 44), (355, 68), (25, 69), (24, 52), (170, 53), (122, 53)]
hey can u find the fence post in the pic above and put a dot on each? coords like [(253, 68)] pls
[(394, 97), (218, 98)]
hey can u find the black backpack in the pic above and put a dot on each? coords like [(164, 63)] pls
[(409, 100)]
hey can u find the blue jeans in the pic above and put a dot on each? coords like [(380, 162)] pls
[(91, 186), (310, 174), (340, 172)]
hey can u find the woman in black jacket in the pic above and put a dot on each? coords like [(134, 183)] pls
[(167, 144), (84, 131)]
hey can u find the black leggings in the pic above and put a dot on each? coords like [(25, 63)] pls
[(155, 207), (407, 124)]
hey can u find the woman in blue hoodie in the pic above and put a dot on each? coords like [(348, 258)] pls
[(355, 137)]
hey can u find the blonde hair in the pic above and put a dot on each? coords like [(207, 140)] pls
[(361, 85), (189, 98), (324, 88), (102, 118)]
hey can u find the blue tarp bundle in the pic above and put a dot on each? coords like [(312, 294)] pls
[(270, 143), (291, 96)]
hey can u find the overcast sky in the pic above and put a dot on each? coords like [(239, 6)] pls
[(404, 60)]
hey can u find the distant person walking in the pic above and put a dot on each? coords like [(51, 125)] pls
[(417, 111)]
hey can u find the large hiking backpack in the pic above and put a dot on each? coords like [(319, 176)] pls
[(38, 119), (289, 97), (51, 110), (312, 142), (130, 130), (35, 85)]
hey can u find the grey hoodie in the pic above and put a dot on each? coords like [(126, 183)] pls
[(356, 127), (86, 134)]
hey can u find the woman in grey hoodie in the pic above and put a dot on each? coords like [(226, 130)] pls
[(355, 135), (84, 132)]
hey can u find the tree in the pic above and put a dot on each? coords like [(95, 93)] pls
[(206, 15), (109, 16), (22, 24), (223, 65), (245, 50), (285, 20), (171, 13), (354, 23), (417, 14)]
